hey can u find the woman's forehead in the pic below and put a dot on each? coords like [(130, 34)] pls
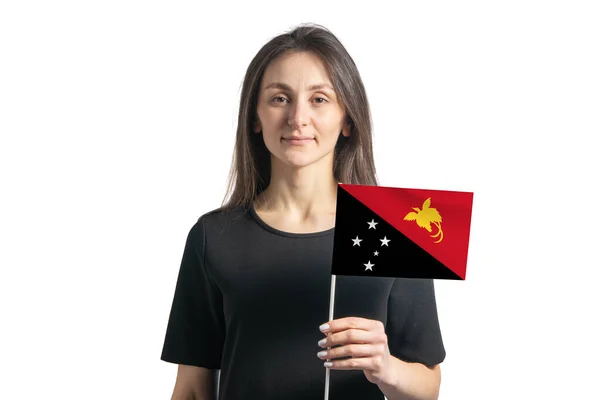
[(297, 70)]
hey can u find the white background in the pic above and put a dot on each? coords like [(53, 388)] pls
[(117, 121)]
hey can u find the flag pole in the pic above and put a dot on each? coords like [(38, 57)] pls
[(331, 302)]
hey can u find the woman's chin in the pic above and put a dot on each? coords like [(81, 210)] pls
[(299, 160), (296, 163)]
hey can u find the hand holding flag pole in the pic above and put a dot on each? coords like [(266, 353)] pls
[(387, 232)]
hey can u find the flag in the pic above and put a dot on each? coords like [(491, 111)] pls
[(404, 233)]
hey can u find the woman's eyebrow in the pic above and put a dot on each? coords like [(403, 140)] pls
[(283, 86)]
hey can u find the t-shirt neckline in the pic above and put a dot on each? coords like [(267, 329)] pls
[(276, 231)]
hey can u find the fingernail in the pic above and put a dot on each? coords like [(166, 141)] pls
[(322, 342), (328, 364), (321, 354), (324, 327)]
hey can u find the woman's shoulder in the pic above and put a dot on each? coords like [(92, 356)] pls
[(219, 218), (224, 213)]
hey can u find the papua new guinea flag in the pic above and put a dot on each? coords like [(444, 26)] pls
[(403, 233)]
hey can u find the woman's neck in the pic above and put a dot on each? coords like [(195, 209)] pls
[(299, 196), (298, 206)]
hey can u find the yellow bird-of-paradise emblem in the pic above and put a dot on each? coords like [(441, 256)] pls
[(425, 217)]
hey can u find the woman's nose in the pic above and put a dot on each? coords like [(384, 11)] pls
[(299, 115)]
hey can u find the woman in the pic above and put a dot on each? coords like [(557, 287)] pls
[(252, 295)]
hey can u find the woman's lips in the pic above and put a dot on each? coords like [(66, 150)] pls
[(297, 141)]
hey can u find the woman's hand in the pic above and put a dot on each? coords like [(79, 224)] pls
[(365, 341)]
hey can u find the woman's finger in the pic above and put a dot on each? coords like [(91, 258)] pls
[(343, 324), (352, 350), (353, 336), (358, 363)]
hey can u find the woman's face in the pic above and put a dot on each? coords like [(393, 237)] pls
[(298, 111)]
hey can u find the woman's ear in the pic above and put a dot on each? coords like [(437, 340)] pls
[(346, 129), (257, 126)]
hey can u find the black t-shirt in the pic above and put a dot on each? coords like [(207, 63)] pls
[(249, 300)]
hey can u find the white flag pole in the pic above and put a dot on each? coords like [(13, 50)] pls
[(331, 302)]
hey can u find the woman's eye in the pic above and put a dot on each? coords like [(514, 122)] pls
[(281, 99)]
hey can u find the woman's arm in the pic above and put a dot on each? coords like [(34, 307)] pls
[(194, 383), (411, 381)]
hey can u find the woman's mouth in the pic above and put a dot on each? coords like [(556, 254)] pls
[(297, 141)]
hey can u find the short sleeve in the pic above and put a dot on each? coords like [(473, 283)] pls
[(196, 329), (412, 326)]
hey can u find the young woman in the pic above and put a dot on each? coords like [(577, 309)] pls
[(252, 296)]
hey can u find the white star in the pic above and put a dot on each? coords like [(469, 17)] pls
[(376, 253), (356, 241), (372, 224), (384, 241), (369, 266)]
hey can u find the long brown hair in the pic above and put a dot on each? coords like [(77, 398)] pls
[(353, 156)]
